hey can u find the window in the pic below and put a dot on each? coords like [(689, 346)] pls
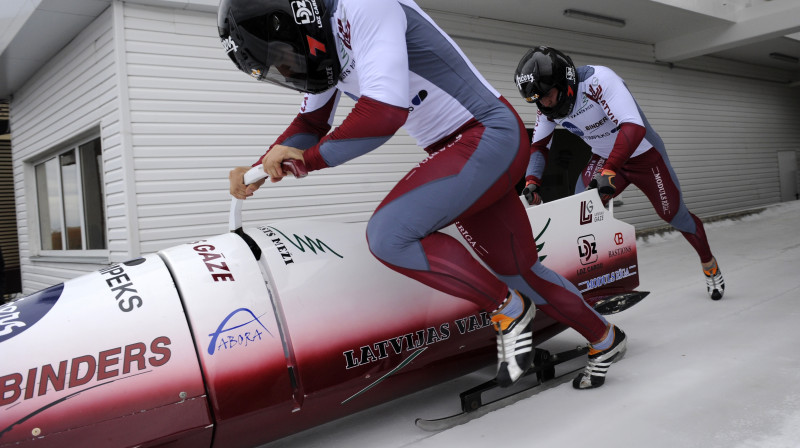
[(69, 193)]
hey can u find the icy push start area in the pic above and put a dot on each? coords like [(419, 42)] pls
[(697, 373)]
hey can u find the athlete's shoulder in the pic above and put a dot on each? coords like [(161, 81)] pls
[(593, 74)]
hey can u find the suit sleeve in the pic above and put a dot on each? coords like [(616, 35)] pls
[(540, 148), (376, 34)]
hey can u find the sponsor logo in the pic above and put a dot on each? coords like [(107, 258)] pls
[(527, 77), (418, 99), (607, 279), (220, 272), (570, 74), (411, 341), (22, 314), (305, 103), (347, 62), (301, 242), (589, 269), (587, 249), (121, 285), (585, 106), (431, 156), (482, 251), (586, 212), (305, 12), (596, 125), (662, 192), (110, 364), (470, 240), (344, 32), (572, 128), (229, 45), (230, 335), (596, 95), (415, 343), (618, 239), (619, 251), (276, 240), (314, 45)]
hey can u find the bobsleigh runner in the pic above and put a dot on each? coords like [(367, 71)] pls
[(243, 338)]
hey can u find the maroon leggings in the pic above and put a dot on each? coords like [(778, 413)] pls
[(652, 173), (468, 179)]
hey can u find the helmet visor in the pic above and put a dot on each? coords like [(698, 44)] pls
[(270, 50), (283, 66)]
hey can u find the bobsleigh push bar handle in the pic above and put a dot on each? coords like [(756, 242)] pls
[(255, 174)]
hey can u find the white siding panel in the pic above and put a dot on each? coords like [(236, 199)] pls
[(67, 99), (194, 117)]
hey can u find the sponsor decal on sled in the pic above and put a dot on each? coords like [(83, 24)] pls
[(22, 314), (105, 366), (609, 278), (234, 333)]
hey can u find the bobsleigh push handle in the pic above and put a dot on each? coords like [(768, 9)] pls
[(255, 174), (294, 166)]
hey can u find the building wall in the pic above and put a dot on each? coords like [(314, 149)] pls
[(9, 245), (75, 95), (175, 116)]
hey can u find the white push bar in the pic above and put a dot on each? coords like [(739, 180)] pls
[(255, 174)]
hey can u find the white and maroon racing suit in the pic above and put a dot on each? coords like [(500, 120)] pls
[(607, 117), (404, 71)]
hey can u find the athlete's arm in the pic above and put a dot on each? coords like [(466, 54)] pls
[(629, 137), (540, 149), (375, 35), (621, 107)]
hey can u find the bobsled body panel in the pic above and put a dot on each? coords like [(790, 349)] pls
[(358, 334), (86, 359), (578, 238), (238, 339), (207, 343)]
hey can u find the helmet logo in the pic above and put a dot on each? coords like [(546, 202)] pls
[(229, 45), (532, 99), (570, 74), (527, 77), (305, 12), (314, 45)]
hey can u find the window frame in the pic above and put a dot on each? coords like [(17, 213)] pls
[(68, 255)]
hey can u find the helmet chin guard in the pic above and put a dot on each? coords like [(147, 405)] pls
[(541, 69), (283, 42)]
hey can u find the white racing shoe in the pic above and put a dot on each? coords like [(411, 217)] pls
[(594, 375), (514, 343), (714, 281)]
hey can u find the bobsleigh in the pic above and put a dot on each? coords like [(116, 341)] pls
[(246, 337)]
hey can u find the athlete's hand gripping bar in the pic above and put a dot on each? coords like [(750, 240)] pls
[(255, 174)]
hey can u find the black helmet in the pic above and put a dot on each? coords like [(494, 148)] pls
[(541, 69), (285, 42)]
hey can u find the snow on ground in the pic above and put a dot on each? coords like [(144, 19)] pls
[(697, 373)]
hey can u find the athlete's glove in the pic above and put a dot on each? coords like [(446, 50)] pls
[(604, 182), (531, 193)]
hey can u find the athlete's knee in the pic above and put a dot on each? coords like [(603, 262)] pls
[(682, 220), (379, 241), (387, 242)]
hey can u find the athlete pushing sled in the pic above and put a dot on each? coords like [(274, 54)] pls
[(404, 71)]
